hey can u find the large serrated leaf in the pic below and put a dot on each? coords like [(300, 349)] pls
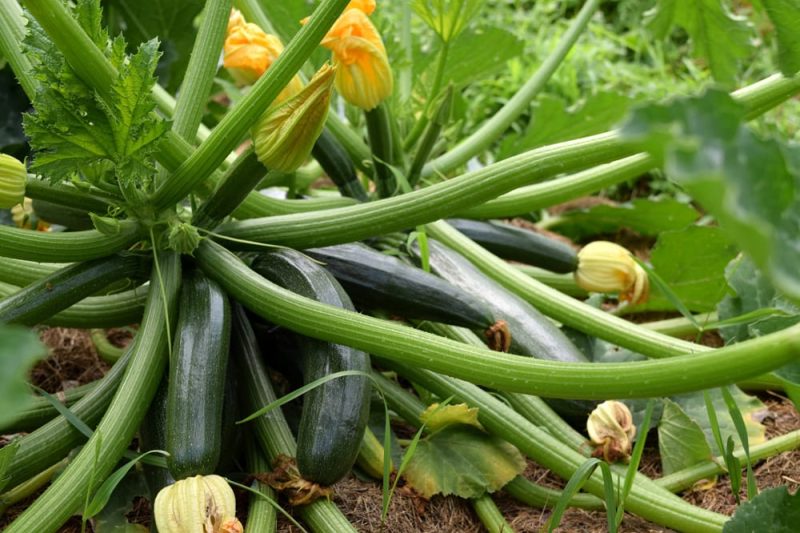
[(464, 461), (692, 262), (172, 21), (648, 217), (751, 408), (19, 349), (717, 36), (751, 290), (774, 510), (553, 122), (785, 15), (749, 184), (681, 441)]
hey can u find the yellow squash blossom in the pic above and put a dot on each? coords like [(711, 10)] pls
[(363, 74), (608, 267), (284, 136), (12, 181), (200, 504), (248, 52), (367, 6)]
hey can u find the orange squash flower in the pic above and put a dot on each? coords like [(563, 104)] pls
[(363, 75), (248, 52)]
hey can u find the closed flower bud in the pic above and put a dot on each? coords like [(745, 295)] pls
[(183, 238), (200, 504), (363, 75), (12, 181), (248, 52), (607, 267), (611, 430), (284, 135)]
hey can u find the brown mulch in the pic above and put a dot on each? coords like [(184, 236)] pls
[(73, 361)]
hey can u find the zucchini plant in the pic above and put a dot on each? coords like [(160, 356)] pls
[(161, 221)]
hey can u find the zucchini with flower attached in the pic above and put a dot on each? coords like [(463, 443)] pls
[(334, 414), (197, 378)]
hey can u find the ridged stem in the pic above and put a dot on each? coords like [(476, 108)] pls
[(115, 431), (38, 411), (431, 203), (66, 247), (21, 272), (489, 515), (66, 195), (261, 514), (511, 373), (12, 30)]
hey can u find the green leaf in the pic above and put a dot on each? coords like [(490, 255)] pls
[(478, 53), (775, 507), (749, 184), (717, 36), (76, 132), (553, 122), (750, 292), (448, 18), (692, 263), (681, 442), (172, 22), (751, 408), (113, 519), (785, 15), (649, 217), (103, 494), (464, 461), (7, 454), (19, 349)]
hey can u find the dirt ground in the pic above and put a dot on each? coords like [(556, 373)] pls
[(73, 361)]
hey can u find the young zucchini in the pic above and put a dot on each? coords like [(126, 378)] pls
[(334, 414), (336, 163), (69, 217), (376, 280), (197, 378), (49, 295), (531, 332), (517, 244)]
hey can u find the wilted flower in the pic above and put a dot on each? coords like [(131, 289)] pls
[(611, 430), (284, 135), (607, 267), (248, 52), (12, 181), (363, 76), (200, 504)]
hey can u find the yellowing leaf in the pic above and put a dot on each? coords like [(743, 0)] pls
[(464, 461), (437, 417)]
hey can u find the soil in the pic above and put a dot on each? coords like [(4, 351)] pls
[(73, 361)]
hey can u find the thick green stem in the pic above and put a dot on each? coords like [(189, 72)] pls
[(228, 133), (192, 96), (261, 514), (12, 30), (20, 272), (561, 282), (493, 128), (646, 499), (493, 369), (67, 247), (490, 516), (383, 157), (542, 195), (115, 431), (425, 205), (433, 93), (680, 326)]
